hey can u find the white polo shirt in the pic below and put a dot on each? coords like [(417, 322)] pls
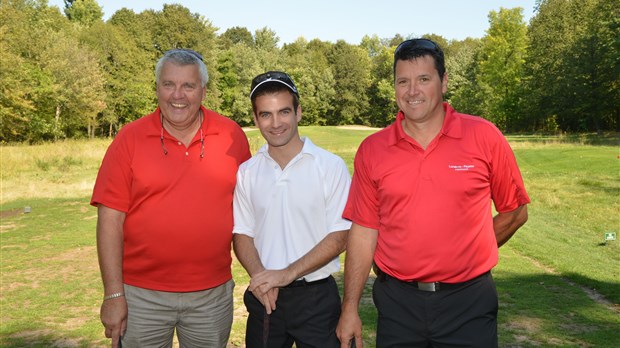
[(289, 211)]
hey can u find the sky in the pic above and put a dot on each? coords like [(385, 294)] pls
[(333, 20)]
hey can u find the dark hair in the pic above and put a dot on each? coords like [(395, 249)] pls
[(414, 48), (272, 88), (272, 82)]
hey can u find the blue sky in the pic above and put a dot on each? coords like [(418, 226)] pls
[(332, 20)]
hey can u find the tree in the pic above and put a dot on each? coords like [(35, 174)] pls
[(85, 12), (266, 39), (28, 30), (17, 81), (574, 44), (15, 96), (396, 40), (382, 102), (236, 35), (237, 66), (501, 60), (130, 91), (350, 66), (77, 96), (138, 27), (459, 62), (313, 77), (176, 27), (597, 67), (372, 45)]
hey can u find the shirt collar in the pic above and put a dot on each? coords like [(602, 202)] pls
[(308, 148), (452, 125)]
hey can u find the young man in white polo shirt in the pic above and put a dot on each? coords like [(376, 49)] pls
[(289, 228)]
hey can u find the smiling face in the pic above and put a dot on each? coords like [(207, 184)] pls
[(180, 94), (419, 89), (277, 120)]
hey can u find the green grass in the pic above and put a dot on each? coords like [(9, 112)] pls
[(575, 192), (51, 289), (50, 281)]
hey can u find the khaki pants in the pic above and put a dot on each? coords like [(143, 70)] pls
[(201, 318)]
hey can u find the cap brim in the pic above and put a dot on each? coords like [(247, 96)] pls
[(291, 88)]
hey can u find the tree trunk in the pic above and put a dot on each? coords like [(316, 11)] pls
[(57, 123)]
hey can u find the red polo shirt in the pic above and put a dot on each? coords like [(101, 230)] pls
[(432, 207), (178, 225)]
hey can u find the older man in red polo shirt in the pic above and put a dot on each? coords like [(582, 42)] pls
[(164, 195)]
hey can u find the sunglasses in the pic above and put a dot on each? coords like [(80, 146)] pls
[(185, 50), (417, 43), (202, 136), (273, 76)]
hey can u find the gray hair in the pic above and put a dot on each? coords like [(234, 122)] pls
[(181, 56)]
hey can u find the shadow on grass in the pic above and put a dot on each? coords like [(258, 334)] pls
[(535, 311), (593, 287), (44, 339), (594, 139), (538, 310), (599, 187)]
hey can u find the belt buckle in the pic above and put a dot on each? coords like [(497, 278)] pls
[(427, 286)]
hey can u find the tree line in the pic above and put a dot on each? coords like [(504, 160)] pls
[(66, 73)]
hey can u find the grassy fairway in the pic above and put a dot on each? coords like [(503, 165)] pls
[(51, 290)]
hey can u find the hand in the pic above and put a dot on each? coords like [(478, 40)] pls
[(269, 279), (349, 329), (265, 286), (114, 318), (269, 300)]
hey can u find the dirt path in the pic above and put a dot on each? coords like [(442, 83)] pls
[(9, 213), (591, 293)]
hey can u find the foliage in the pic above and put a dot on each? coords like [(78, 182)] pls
[(500, 66), (573, 65), (63, 88), (460, 65), (236, 35), (314, 80), (129, 87), (85, 12), (74, 75), (351, 82)]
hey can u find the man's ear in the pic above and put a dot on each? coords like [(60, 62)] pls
[(298, 113), (255, 119), (444, 83)]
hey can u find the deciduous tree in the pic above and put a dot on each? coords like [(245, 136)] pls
[(501, 61), (85, 12)]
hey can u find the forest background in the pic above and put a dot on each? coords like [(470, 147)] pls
[(74, 75)]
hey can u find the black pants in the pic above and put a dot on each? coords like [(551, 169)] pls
[(461, 317), (306, 315)]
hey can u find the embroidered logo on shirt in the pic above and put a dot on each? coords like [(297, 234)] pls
[(461, 168)]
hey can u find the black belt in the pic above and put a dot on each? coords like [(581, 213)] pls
[(303, 282), (432, 286)]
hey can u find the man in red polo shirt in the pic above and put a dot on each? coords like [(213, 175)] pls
[(420, 203), (164, 196)]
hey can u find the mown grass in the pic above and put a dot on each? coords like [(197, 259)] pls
[(575, 192), (51, 289)]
